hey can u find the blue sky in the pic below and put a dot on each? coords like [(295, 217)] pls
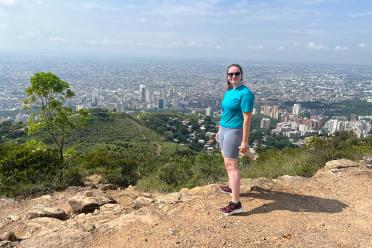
[(328, 31)]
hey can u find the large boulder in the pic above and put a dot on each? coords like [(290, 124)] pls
[(88, 201), (335, 167)]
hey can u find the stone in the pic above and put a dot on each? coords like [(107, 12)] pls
[(49, 212), (9, 236), (170, 198), (44, 223), (88, 201), (142, 201), (335, 167), (107, 187), (6, 244), (13, 217), (59, 238)]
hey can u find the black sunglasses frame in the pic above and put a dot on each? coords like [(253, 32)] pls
[(236, 74)]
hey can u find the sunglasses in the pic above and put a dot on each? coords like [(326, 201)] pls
[(237, 74)]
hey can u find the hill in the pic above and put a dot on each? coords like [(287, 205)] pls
[(330, 209)]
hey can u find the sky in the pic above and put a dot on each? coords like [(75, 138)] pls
[(321, 31)]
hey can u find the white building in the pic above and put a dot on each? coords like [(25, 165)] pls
[(265, 123), (142, 93), (296, 109)]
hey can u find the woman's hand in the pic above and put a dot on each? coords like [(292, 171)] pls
[(218, 136), (243, 147)]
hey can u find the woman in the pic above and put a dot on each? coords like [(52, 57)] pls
[(237, 106)]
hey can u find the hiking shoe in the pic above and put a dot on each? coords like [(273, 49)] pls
[(232, 208), (224, 189)]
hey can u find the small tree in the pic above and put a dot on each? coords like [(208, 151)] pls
[(49, 93)]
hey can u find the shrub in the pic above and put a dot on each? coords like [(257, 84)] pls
[(115, 167), (32, 168), (176, 172)]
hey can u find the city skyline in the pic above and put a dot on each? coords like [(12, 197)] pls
[(320, 31)]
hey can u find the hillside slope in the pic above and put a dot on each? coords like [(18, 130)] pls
[(331, 209)]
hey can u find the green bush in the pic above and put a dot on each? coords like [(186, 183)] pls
[(115, 167), (33, 168), (175, 173), (208, 168)]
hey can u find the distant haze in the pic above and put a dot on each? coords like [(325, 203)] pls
[(325, 31)]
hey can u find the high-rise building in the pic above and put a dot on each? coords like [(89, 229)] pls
[(148, 96), (265, 123), (296, 109), (275, 112), (142, 93), (332, 125), (161, 103)]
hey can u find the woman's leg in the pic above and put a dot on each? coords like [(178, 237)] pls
[(231, 166)]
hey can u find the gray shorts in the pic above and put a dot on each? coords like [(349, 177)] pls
[(230, 140)]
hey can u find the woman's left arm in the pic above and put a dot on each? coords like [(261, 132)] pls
[(247, 116)]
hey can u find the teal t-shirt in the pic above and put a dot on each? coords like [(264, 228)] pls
[(235, 102)]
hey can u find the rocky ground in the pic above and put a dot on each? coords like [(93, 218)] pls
[(331, 209)]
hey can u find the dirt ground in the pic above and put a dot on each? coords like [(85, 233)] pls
[(331, 209)]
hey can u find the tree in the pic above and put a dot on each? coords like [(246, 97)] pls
[(49, 93)]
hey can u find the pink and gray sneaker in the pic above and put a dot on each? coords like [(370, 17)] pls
[(224, 189), (232, 208)]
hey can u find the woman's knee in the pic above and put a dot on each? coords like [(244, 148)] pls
[(231, 165)]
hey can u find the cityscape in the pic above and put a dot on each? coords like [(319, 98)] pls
[(198, 87)]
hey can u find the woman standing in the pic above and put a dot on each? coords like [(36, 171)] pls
[(237, 106)]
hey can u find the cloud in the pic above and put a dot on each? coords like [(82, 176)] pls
[(39, 2), (28, 34), (256, 47), (341, 48), (104, 42), (3, 26), (57, 39), (7, 3), (362, 45), (313, 46)]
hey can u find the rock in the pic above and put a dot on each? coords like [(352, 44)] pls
[(44, 222), (366, 160), (288, 178), (202, 190), (9, 236), (142, 201), (87, 202), (170, 198), (172, 232), (59, 238), (6, 244), (47, 197), (13, 217), (107, 187), (89, 227), (49, 212), (340, 164), (146, 194), (88, 193), (334, 167), (261, 184)]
